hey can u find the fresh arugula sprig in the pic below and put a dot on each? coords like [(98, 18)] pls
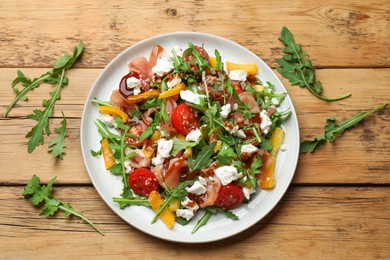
[(39, 194), (57, 145), (211, 210), (136, 200), (178, 192), (203, 158), (54, 77), (118, 143), (332, 129), (298, 68)]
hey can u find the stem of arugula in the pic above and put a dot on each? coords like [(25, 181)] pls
[(33, 85)]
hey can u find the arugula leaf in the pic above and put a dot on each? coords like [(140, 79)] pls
[(55, 76), (42, 116), (178, 192), (38, 194), (219, 65), (298, 69), (332, 129), (57, 145), (203, 158), (202, 221), (211, 210), (179, 145), (137, 200), (51, 77)]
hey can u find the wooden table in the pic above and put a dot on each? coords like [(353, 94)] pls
[(338, 205)]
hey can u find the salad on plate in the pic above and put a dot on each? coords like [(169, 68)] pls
[(190, 133)]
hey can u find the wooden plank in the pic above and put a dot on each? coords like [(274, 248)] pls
[(310, 222), (359, 156), (335, 34)]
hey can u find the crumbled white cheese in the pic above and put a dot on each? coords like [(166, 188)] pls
[(235, 106), (248, 148), (227, 174), (109, 120), (248, 192), (275, 101), (163, 66), (194, 135), (164, 147), (238, 75), (127, 165), (236, 132), (189, 211), (197, 188), (202, 180), (240, 133), (175, 81), (265, 122), (185, 213), (225, 110), (133, 82), (158, 160), (191, 97)]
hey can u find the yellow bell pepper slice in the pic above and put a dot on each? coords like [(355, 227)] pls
[(173, 91), (114, 112), (149, 148), (213, 62), (167, 216), (132, 99), (174, 205), (266, 177), (108, 155), (251, 68)]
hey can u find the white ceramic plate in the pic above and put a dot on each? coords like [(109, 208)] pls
[(110, 186)]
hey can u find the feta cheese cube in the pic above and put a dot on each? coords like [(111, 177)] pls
[(164, 147), (248, 148), (191, 97), (225, 110), (265, 122), (227, 174), (173, 82), (163, 66), (194, 135), (238, 75), (248, 192), (197, 188)]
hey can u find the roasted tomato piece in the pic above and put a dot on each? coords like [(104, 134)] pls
[(136, 130), (185, 119), (142, 181), (229, 197)]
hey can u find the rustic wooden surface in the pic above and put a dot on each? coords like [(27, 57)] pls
[(338, 205)]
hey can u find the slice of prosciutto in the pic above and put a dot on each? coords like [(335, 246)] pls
[(143, 66)]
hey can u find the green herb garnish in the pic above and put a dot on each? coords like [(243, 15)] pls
[(298, 68), (332, 129), (39, 194)]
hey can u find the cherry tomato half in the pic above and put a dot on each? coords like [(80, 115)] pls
[(143, 181), (136, 130), (185, 119), (229, 197)]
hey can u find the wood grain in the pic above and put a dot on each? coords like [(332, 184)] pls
[(310, 222), (336, 34), (369, 141), (338, 206)]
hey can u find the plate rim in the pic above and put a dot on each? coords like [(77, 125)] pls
[(193, 34)]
